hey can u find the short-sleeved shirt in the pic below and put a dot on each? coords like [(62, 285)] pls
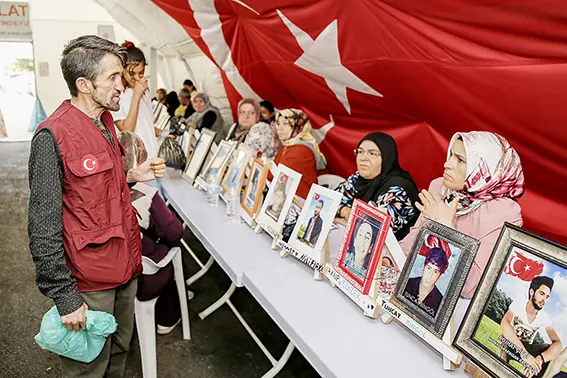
[(144, 123), (525, 330)]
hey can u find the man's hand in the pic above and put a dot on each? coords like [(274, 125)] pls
[(76, 320), (148, 171), (141, 87), (535, 362)]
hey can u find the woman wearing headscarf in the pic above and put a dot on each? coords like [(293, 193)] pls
[(161, 230), (257, 135), (482, 181), (381, 182), (206, 116), (300, 150)]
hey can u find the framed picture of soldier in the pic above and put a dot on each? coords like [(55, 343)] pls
[(315, 220), (434, 274), (362, 245), (278, 200), (516, 324), (197, 158)]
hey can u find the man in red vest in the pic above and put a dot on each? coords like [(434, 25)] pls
[(84, 237)]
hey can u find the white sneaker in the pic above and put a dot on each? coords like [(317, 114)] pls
[(162, 330), (190, 295)]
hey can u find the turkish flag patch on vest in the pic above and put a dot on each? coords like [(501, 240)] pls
[(89, 164)]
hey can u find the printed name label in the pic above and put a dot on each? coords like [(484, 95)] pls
[(300, 256)]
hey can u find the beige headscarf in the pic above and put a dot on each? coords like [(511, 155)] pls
[(302, 133)]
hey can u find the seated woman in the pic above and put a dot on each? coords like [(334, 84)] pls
[(259, 136), (267, 112), (161, 231), (482, 180), (381, 182), (206, 116), (172, 103), (300, 150)]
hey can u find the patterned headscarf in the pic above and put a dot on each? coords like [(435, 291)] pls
[(302, 133), (494, 171), (136, 152)]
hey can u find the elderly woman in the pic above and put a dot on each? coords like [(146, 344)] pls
[(259, 136), (381, 182), (206, 116), (482, 181), (300, 150), (161, 230)]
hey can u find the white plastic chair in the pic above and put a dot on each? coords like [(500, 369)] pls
[(330, 181), (145, 311)]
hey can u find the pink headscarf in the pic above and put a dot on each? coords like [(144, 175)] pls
[(494, 171)]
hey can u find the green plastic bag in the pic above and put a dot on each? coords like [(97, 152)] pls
[(84, 345)]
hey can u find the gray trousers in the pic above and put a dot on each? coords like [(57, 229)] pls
[(112, 360)]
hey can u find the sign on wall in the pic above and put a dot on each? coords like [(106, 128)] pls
[(15, 22)]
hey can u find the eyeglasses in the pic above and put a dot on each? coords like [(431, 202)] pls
[(250, 113), (370, 153)]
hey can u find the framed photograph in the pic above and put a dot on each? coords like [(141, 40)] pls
[(516, 324), (362, 245), (252, 197), (315, 221), (218, 162), (279, 199), (392, 260), (434, 274), (237, 168), (198, 156)]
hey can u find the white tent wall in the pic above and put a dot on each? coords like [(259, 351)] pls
[(180, 57), (54, 23)]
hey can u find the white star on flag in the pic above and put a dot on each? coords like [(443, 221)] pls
[(322, 58)]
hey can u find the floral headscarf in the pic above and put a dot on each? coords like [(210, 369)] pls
[(494, 171), (302, 133)]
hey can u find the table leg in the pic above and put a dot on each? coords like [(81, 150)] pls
[(281, 363), (204, 269), (215, 306)]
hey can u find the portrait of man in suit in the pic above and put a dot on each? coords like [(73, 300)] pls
[(314, 226)]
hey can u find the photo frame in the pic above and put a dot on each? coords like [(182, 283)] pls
[(197, 158), (278, 200), (362, 245), (218, 162), (439, 261), (237, 167), (521, 299), (252, 197), (314, 222)]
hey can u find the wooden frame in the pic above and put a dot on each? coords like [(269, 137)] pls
[(330, 201), (252, 198), (450, 255), (376, 223), (219, 162), (505, 287), (196, 159), (237, 167), (282, 191)]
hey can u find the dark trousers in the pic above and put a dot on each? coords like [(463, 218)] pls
[(112, 360)]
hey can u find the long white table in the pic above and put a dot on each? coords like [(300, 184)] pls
[(327, 328)]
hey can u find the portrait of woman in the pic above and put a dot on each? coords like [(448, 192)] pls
[(358, 256), (277, 202)]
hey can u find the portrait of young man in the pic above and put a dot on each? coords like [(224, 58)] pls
[(422, 290), (522, 322), (314, 225)]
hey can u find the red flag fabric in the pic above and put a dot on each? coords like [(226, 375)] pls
[(420, 71), (523, 267), (434, 242)]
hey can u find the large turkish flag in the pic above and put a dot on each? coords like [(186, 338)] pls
[(419, 71)]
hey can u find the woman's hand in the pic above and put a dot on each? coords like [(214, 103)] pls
[(345, 212), (433, 207), (141, 87)]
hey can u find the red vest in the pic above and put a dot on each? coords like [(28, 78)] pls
[(101, 234)]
